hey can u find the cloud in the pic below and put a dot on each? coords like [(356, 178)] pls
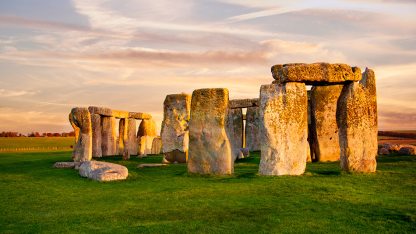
[(15, 93)]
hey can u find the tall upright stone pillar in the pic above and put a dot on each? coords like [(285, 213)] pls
[(145, 135), (324, 129), (96, 135), (175, 134), (235, 130), (122, 136), (284, 123), (357, 122), (108, 136), (209, 146), (81, 119), (131, 144), (253, 128)]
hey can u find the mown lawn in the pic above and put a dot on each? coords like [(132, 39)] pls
[(34, 198), (36, 143)]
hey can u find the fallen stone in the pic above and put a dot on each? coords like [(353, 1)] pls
[(209, 146), (243, 103), (143, 165), (253, 128), (103, 171), (175, 134), (283, 134), (96, 135), (315, 73), (66, 164), (324, 129), (108, 136), (407, 150), (235, 131), (81, 118), (357, 122)]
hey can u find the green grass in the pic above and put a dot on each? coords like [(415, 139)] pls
[(34, 198), (39, 143)]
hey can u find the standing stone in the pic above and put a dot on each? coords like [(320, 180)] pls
[(81, 118), (357, 122), (283, 135), (175, 134), (157, 145), (235, 129), (209, 147), (324, 129), (253, 128), (96, 135), (122, 136), (147, 128), (131, 143), (76, 129), (145, 136), (108, 136)]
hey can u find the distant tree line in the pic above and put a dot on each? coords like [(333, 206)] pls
[(37, 134)]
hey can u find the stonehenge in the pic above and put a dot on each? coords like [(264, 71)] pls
[(335, 121), (209, 146), (174, 133), (80, 119), (102, 123)]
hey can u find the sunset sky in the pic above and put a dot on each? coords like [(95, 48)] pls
[(129, 54)]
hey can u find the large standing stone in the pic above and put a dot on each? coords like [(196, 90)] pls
[(147, 128), (81, 118), (253, 128), (175, 134), (157, 145), (131, 143), (357, 122), (324, 129), (235, 130), (76, 129), (103, 171), (315, 73), (209, 147), (96, 135), (145, 145), (108, 136), (283, 135), (122, 136)]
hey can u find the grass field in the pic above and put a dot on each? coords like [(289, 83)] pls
[(35, 143), (34, 197)]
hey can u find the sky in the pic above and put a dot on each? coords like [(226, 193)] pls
[(129, 54)]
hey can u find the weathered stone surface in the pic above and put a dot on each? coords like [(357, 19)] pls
[(175, 156), (324, 129), (407, 150), (253, 128), (145, 145), (235, 131), (122, 136), (315, 73), (139, 115), (81, 118), (209, 147), (103, 171), (76, 128), (101, 111), (283, 134), (96, 135), (108, 136), (175, 134), (131, 144), (243, 103), (66, 164), (357, 122), (147, 128), (244, 153), (157, 145), (392, 147)]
